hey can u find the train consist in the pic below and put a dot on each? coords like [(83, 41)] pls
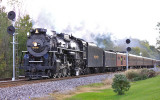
[(61, 55)]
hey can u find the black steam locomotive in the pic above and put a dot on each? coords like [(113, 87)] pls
[(61, 55), (58, 55)]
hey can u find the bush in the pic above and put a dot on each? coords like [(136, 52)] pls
[(120, 84), (157, 73), (151, 73), (140, 74), (130, 74)]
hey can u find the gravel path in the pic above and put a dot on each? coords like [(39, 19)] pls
[(26, 92)]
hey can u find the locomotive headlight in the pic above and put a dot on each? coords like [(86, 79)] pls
[(34, 44), (36, 31)]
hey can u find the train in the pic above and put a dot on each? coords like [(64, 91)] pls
[(62, 55)]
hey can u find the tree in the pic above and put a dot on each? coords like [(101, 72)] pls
[(5, 45), (120, 84), (23, 26), (158, 39), (145, 53), (135, 50)]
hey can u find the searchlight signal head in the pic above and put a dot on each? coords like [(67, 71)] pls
[(11, 30), (128, 49), (11, 15), (128, 41)]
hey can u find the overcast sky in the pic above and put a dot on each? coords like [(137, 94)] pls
[(122, 18)]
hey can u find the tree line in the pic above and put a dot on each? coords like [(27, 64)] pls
[(138, 46)]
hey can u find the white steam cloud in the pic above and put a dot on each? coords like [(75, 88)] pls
[(69, 17), (123, 18)]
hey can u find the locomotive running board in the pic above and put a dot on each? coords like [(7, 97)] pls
[(35, 61), (21, 76), (45, 76), (69, 49), (52, 51), (24, 51)]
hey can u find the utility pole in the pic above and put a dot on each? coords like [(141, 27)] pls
[(11, 31)]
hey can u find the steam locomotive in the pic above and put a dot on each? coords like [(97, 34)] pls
[(62, 55)]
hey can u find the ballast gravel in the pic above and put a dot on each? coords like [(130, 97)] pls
[(26, 92)]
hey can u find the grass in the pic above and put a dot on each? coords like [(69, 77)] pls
[(93, 85), (148, 89), (80, 89)]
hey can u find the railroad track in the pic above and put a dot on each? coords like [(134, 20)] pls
[(9, 79), (26, 81)]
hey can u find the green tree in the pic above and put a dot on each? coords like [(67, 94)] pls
[(23, 26), (155, 53), (5, 45), (158, 39), (120, 84), (135, 50), (145, 53), (145, 45)]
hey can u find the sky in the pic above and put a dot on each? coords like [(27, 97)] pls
[(121, 18)]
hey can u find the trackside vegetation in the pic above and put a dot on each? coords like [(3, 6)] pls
[(140, 74), (120, 84), (148, 89)]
